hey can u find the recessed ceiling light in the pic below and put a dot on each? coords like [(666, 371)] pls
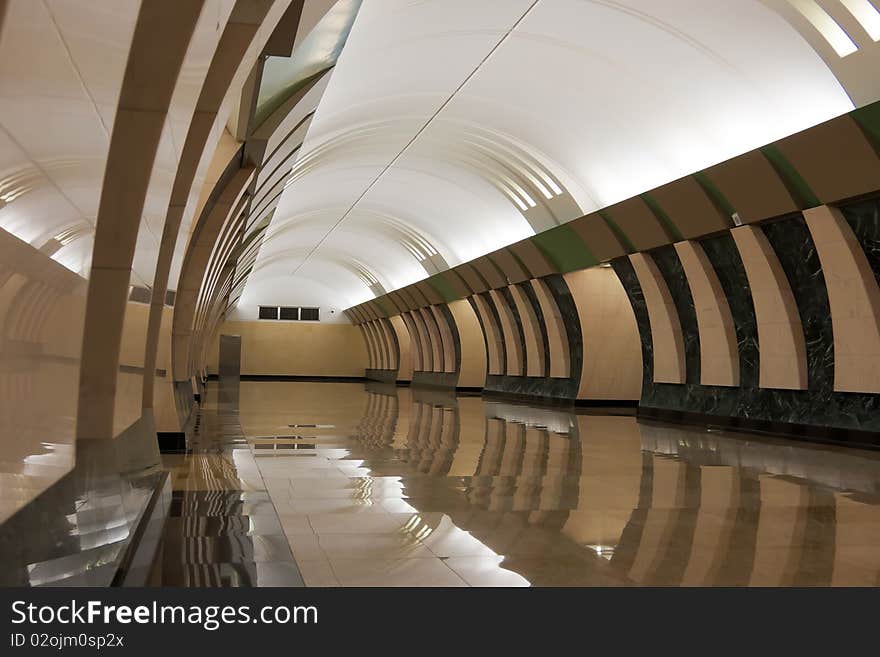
[(866, 14), (835, 35)]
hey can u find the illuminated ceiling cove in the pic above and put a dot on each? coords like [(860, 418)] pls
[(450, 129)]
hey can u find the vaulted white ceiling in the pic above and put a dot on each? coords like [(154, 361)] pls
[(463, 126)]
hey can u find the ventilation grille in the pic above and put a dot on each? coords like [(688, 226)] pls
[(290, 313), (268, 312)]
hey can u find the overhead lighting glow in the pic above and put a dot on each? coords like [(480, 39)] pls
[(866, 14), (835, 35)]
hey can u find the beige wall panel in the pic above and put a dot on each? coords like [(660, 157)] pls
[(384, 347), (370, 347), (560, 356), (512, 345), (378, 360), (426, 351), (472, 373), (598, 236), (689, 208), (782, 352), (666, 334), (134, 334), (434, 339), (612, 349), (854, 298), (835, 158), (752, 186), (494, 338), (404, 343), (534, 341), (415, 341), (638, 223), (446, 339), (719, 356), (393, 349), (296, 349)]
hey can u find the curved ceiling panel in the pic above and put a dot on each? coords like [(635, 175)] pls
[(478, 124)]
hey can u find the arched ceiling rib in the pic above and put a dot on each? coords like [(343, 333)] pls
[(478, 138)]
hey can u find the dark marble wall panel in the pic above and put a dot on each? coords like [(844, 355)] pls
[(456, 338), (816, 413), (435, 379), (793, 244), (627, 275), (670, 267), (394, 342), (490, 304), (864, 219), (724, 257), (383, 376), (572, 323), (542, 326), (546, 387), (517, 325)]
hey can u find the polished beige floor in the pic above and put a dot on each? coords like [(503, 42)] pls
[(385, 486)]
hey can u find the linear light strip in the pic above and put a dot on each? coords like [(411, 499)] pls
[(866, 14), (835, 35), (416, 136)]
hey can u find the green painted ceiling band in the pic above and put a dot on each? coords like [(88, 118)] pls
[(564, 249), (669, 226), (443, 288), (618, 232), (868, 119), (794, 182), (716, 196)]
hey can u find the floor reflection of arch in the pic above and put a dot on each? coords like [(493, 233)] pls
[(579, 499)]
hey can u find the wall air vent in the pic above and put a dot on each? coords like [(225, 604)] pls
[(290, 313), (309, 314)]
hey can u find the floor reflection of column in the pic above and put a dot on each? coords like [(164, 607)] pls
[(714, 524), (662, 520), (781, 526), (856, 555), (416, 487)]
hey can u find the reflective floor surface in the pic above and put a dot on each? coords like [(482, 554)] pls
[(346, 484)]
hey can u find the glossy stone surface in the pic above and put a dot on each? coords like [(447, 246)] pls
[(819, 408), (222, 528), (386, 486)]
